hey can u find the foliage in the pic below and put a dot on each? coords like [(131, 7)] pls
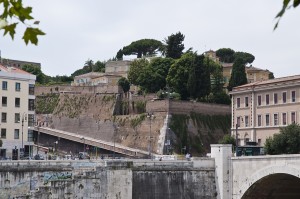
[(45, 104), (228, 139), (119, 55), (174, 45), (35, 70), (190, 76), (137, 121), (15, 12), (225, 55), (124, 83), (90, 66), (140, 106), (204, 124), (271, 75), (218, 98), (286, 142), (136, 67), (238, 74), (145, 47), (179, 74), (285, 5), (247, 57), (153, 78)]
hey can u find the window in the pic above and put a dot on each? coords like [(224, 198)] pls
[(267, 120), (239, 121), (17, 117), (259, 120), (30, 136), (267, 99), (30, 119), (293, 96), (31, 104), (275, 98), (3, 133), (3, 117), (259, 142), (31, 89), (284, 97), (246, 101), (293, 117), (4, 101), (284, 119), (259, 100), (4, 85), (16, 134), (18, 86), (246, 121), (238, 102), (275, 119), (17, 102)]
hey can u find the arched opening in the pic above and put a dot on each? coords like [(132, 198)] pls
[(274, 186)]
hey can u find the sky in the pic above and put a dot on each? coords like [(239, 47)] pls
[(79, 30)]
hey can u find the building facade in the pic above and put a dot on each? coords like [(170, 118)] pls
[(259, 109), (17, 110)]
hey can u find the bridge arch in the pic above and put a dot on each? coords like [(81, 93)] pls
[(269, 176)]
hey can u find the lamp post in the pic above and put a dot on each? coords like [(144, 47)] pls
[(236, 139), (150, 116), (55, 146), (38, 139), (23, 118)]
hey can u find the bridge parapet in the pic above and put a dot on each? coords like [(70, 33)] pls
[(249, 169)]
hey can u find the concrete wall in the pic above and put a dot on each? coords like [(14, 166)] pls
[(107, 179)]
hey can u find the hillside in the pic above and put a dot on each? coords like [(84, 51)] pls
[(194, 125)]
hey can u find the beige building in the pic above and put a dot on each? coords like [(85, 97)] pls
[(261, 108), (120, 68), (253, 74), (17, 110)]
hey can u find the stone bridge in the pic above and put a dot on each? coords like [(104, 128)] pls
[(259, 177)]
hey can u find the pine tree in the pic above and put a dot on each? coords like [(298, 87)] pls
[(238, 74)]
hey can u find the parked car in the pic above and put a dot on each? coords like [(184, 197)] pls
[(39, 157)]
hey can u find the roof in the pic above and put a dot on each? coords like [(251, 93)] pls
[(13, 70), (270, 81), (90, 74)]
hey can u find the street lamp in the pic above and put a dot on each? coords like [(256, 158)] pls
[(150, 116), (115, 132), (38, 139), (23, 118), (55, 146)]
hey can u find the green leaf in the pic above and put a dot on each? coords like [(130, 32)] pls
[(296, 3), (30, 35), (10, 29)]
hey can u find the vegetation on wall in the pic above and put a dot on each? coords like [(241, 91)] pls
[(205, 124), (137, 121), (45, 104)]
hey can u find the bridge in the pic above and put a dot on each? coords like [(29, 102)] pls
[(276, 176), (110, 146)]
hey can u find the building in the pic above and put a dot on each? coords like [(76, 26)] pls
[(120, 68), (259, 109), (253, 74), (17, 110), (17, 63)]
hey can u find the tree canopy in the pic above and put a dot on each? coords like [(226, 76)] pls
[(13, 12), (285, 142), (174, 45), (143, 47), (238, 74), (124, 83), (90, 66), (227, 55)]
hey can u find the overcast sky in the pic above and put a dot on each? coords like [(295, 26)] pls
[(96, 29)]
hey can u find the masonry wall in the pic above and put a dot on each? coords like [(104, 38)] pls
[(107, 179)]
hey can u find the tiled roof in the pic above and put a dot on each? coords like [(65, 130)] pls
[(270, 81), (13, 70)]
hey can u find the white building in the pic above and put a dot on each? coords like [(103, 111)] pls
[(17, 110)]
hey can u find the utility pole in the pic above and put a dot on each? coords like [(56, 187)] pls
[(150, 116)]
